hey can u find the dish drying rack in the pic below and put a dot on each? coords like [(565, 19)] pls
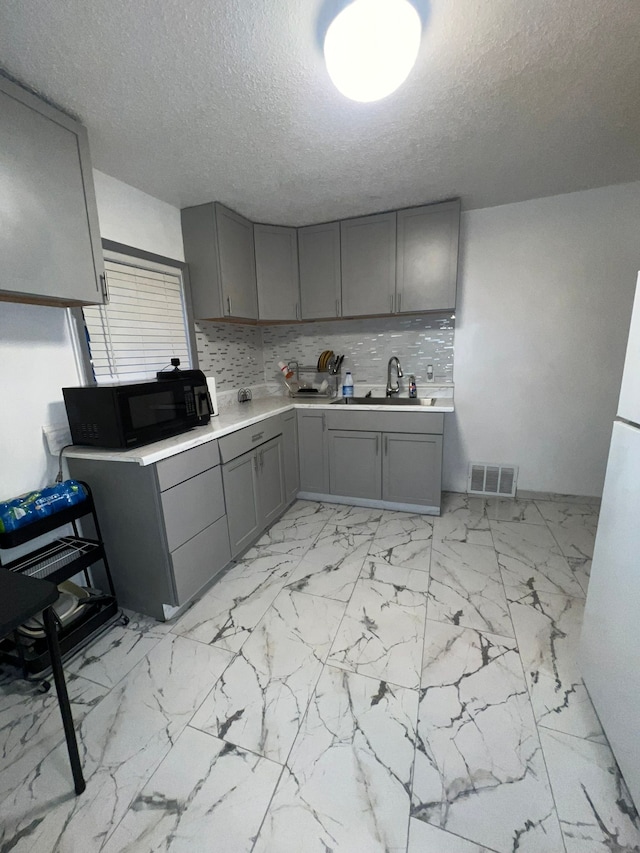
[(334, 372)]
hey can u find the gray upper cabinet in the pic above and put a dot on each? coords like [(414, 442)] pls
[(368, 251), (50, 250), (219, 249), (276, 250), (319, 257), (428, 257)]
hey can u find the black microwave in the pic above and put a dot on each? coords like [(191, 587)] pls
[(131, 414)]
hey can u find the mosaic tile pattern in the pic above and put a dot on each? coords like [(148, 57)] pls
[(367, 346), (231, 352)]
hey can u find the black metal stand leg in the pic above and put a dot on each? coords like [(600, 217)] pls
[(63, 700)]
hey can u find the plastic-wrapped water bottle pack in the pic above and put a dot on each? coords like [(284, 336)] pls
[(33, 506)]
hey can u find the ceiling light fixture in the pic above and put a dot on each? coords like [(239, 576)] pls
[(371, 47)]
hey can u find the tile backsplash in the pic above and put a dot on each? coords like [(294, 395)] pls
[(248, 355), (367, 345), (231, 352)]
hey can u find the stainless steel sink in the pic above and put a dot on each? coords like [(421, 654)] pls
[(385, 401)]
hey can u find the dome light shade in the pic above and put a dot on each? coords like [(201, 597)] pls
[(371, 47)]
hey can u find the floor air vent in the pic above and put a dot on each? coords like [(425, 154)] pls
[(492, 479)]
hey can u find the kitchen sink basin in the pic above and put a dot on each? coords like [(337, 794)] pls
[(385, 401)]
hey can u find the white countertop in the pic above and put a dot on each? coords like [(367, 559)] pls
[(234, 418)]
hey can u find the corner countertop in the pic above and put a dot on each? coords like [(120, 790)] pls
[(233, 418)]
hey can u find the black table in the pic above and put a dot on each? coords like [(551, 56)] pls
[(22, 597)]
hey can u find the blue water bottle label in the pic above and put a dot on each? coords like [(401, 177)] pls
[(347, 390)]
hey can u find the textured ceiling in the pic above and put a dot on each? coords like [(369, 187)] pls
[(194, 100)]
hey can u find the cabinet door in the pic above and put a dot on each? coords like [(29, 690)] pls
[(270, 480), (368, 251), (319, 257), (290, 456), (314, 473), (50, 239), (412, 468), (200, 559), (237, 264), (277, 272), (354, 464), (240, 492), (428, 257)]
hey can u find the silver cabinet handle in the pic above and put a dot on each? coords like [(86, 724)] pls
[(229, 305), (297, 311), (261, 459), (257, 436), (392, 302), (105, 286), (377, 443), (255, 462), (337, 307), (386, 445), (399, 309), (324, 423)]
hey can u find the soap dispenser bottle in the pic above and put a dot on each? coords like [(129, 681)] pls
[(413, 390)]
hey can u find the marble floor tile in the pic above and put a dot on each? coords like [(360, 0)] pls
[(381, 634), (425, 838), (122, 741), (510, 509), (595, 809), (331, 566), (404, 540), (294, 534), (260, 700), (573, 527), (230, 610), (479, 770), (356, 516), (112, 655), (581, 568), (346, 785), (547, 629), (205, 794), (31, 725), (462, 519), (530, 559), (466, 588)]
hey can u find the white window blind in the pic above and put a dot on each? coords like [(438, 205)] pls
[(141, 328)]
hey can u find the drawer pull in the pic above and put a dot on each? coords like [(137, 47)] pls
[(257, 436)]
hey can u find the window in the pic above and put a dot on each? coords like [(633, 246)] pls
[(142, 327)]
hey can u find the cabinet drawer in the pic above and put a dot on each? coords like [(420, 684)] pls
[(200, 559), (421, 423), (191, 506), (237, 443), (182, 466)]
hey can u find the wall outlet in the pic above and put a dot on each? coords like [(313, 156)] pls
[(57, 436)]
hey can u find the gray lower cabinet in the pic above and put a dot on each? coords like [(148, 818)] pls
[(253, 485), (164, 526), (314, 460), (428, 257), (277, 272), (290, 455), (219, 249), (385, 456), (320, 280), (241, 493), (368, 253), (50, 249), (354, 464), (412, 469)]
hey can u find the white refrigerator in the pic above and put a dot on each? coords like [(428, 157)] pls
[(610, 642)]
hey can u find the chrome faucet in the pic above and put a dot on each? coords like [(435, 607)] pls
[(394, 389)]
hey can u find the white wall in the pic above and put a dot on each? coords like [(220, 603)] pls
[(36, 351), (129, 216), (545, 295)]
